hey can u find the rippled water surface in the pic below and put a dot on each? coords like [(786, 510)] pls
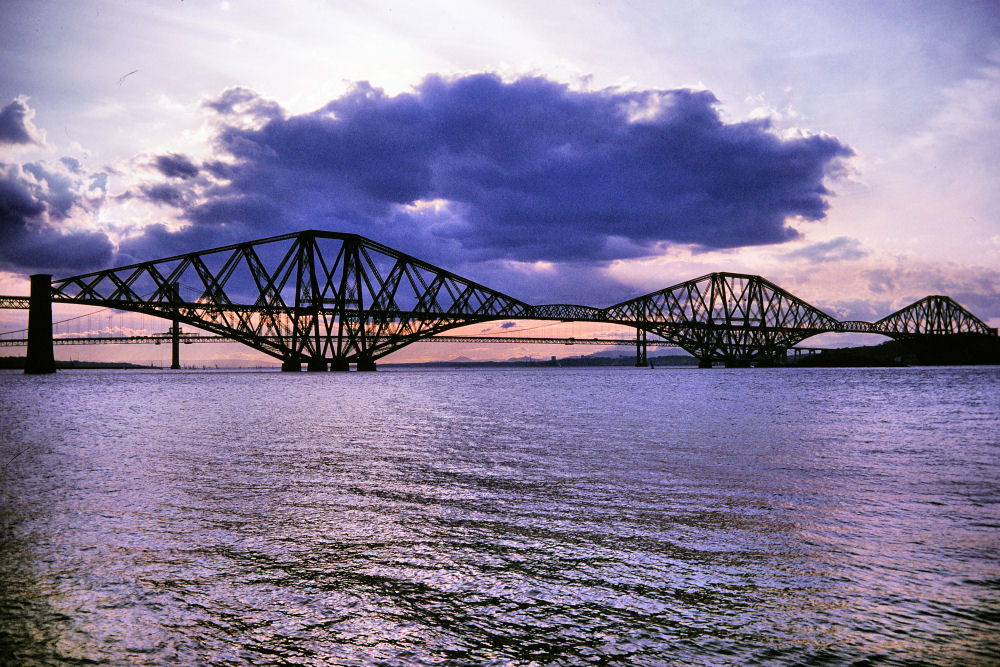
[(607, 516)]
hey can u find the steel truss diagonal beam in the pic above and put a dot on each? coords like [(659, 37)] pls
[(933, 315), (732, 318), (310, 297), (329, 299)]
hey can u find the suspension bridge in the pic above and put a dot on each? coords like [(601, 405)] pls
[(330, 301)]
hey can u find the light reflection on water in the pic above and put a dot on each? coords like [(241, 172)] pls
[(550, 515)]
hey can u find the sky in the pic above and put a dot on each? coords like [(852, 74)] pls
[(581, 152)]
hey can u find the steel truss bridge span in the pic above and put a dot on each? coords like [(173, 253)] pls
[(329, 300)]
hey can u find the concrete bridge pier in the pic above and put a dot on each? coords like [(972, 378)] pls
[(316, 365), (291, 366), (704, 362), (40, 359), (340, 365), (366, 364)]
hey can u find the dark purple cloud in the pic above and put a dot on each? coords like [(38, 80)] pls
[(240, 101), (471, 172), (15, 124), (173, 165), (31, 213), (56, 190), (164, 193), (527, 170)]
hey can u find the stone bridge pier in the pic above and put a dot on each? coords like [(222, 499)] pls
[(40, 359)]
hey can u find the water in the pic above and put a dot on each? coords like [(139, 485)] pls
[(527, 516)]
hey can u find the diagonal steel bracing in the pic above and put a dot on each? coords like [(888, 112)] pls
[(311, 297), (329, 299), (732, 318), (931, 316)]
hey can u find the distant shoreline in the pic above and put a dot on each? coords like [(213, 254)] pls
[(888, 354), (17, 363)]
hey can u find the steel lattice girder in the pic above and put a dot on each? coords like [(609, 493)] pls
[(309, 295), (932, 315), (726, 316), (317, 295), (14, 302)]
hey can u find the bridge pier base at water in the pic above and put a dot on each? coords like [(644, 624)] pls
[(704, 363), (316, 365), (640, 348), (366, 365), (340, 365), (175, 329), (291, 366), (175, 347), (40, 359)]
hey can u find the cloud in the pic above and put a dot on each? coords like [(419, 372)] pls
[(478, 174), (55, 189), (239, 101), (35, 203), (880, 280), (983, 306), (163, 193), (975, 288), (173, 165), (16, 126), (72, 164), (840, 249), (864, 310), (526, 170)]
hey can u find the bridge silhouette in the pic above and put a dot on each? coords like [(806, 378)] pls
[(329, 300)]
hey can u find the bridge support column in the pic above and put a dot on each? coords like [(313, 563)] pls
[(366, 364), (175, 330), (340, 364), (40, 358), (640, 348), (704, 362), (175, 347), (316, 365), (291, 366)]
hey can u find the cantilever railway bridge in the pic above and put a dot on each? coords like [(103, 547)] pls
[(328, 300)]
